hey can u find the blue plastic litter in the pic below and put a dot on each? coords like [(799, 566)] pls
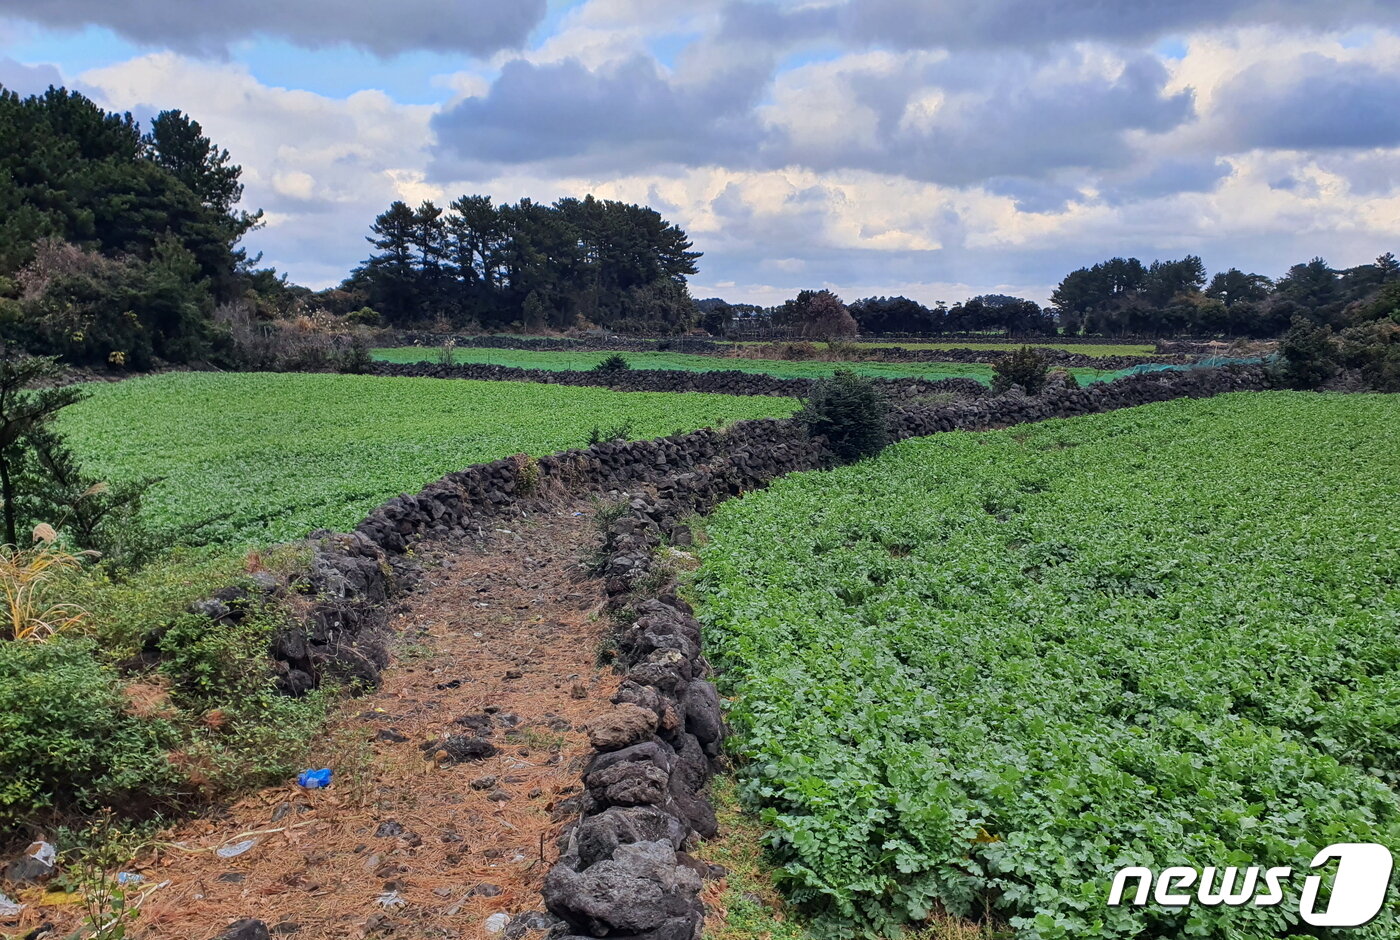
[(314, 779), (129, 878)]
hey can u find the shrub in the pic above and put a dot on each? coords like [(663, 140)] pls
[(94, 310), (355, 358), (1373, 349), (1307, 356), (527, 474), (1024, 367), (850, 413), (613, 364), (796, 352), (599, 435), (365, 316), (63, 731)]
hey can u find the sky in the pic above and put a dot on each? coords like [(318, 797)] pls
[(931, 148)]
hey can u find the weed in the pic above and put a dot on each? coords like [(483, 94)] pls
[(28, 580), (527, 474), (100, 848), (622, 432)]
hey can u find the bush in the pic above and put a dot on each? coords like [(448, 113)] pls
[(850, 413), (1307, 356), (365, 316), (93, 310), (355, 358), (64, 735), (599, 435), (1373, 349), (796, 352), (613, 364), (1024, 367)]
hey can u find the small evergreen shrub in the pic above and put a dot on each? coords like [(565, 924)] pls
[(1024, 367), (850, 413), (613, 364)]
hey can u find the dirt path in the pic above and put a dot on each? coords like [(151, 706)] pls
[(500, 641)]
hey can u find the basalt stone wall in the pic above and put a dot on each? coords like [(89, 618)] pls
[(624, 870), (725, 382), (351, 574), (1058, 358)]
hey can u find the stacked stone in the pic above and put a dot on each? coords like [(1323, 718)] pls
[(718, 382)]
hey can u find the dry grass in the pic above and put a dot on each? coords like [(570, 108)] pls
[(29, 580)]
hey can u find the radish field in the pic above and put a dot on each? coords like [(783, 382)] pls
[(265, 457), (687, 362), (982, 672)]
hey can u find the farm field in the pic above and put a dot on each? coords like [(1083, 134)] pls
[(535, 359), (270, 457), (1088, 349), (982, 672)]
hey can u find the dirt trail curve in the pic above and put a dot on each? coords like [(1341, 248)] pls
[(497, 640)]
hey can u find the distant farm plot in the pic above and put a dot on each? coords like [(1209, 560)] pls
[(985, 671), (269, 457), (1087, 349), (569, 360)]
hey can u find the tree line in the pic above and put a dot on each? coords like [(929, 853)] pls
[(529, 266), (119, 245), (1118, 297), (116, 243), (1122, 296)]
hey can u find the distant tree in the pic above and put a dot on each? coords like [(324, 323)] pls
[(1388, 266), (143, 212), (429, 234), (178, 144), (894, 315), (1169, 280), (716, 315), (1234, 286), (1014, 316), (392, 272), (818, 315)]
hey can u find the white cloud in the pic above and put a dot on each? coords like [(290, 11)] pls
[(928, 173), (321, 167)]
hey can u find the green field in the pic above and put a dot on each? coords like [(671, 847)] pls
[(560, 361), (985, 671), (1088, 349), (271, 457)]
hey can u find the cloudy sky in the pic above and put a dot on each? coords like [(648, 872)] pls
[(932, 148)]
